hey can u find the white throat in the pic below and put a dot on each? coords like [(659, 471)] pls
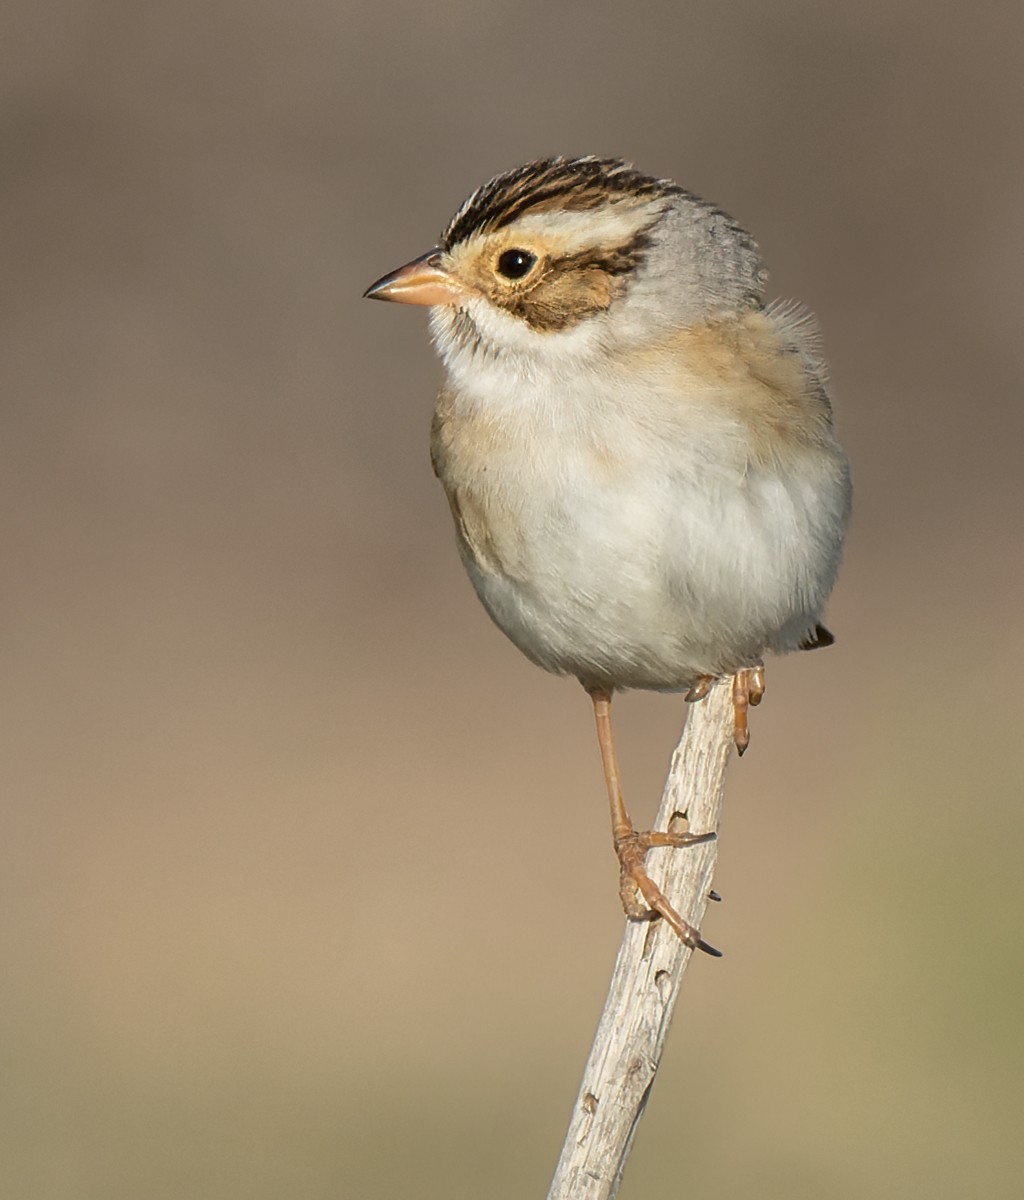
[(488, 351)]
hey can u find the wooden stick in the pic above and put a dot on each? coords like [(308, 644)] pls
[(631, 1033)]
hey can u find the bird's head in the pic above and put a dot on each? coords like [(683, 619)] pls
[(564, 256)]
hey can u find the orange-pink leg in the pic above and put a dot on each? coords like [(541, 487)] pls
[(631, 847), (747, 692)]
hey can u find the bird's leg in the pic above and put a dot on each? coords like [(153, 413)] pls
[(700, 689), (747, 692), (631, 847)]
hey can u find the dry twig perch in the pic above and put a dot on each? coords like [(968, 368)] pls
[(631, 1033)]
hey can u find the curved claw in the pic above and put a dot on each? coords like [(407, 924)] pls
[(657, 838), (688, 934), (747, 691), (632, 850), (700, 689)]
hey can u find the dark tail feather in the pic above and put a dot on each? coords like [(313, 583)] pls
[(817, 640)]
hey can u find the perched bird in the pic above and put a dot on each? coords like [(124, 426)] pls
[(638, 451)]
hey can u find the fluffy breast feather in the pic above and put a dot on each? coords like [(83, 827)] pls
[(466, 445), (741, 371), (736, 393), (674, 513)]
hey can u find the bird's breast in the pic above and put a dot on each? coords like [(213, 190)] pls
[(528, 493), (635, 540)]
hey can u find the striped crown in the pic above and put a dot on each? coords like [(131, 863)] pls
[(566, 184)]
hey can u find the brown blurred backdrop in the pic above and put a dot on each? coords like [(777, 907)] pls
[(307, 885)]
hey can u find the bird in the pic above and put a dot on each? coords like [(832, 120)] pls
[(638, 449)]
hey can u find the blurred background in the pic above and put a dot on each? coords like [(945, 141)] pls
[(307, 882)]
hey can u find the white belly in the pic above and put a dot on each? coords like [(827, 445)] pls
[(635, 523), (652, 575)]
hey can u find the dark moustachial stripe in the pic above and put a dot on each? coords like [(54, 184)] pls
[(572, 184)]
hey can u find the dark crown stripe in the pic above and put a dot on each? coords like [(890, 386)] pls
[(577, 183)]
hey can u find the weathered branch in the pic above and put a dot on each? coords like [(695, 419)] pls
[(627, 1048)]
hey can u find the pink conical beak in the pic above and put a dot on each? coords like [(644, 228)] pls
[(422, 281)]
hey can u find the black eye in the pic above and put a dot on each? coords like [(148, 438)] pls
[(514, 264)]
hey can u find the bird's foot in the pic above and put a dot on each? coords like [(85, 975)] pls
[(700, 689), (636, 885), (747, 692)]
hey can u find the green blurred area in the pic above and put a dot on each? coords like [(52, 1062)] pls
[(306, 883)]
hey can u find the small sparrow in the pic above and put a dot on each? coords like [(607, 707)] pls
[(638, 451)]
